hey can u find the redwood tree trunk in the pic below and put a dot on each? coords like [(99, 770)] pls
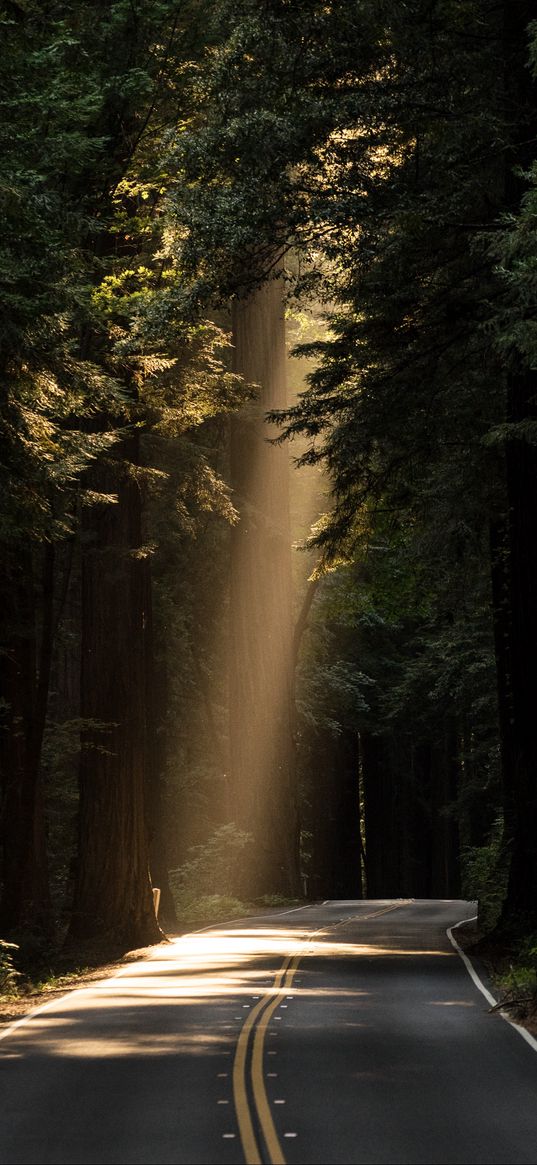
[(520, 747), (155, 696), (25, 676), (378, 798), (346, 840), (113, 902), (445, 876), (332, 816), (263, 781), (520, 751)]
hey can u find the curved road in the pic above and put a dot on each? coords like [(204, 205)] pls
[(343, 1032)]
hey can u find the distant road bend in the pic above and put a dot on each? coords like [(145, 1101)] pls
[(347, 1032)]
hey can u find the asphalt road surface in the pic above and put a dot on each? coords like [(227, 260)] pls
[(343, 1032)]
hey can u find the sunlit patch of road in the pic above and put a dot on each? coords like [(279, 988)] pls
[(215, 967)]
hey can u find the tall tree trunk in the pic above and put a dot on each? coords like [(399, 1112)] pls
[(113, 901), (25, 665), (346, 840), (445, 879), (500, 559), (378, 796), (318, 815), (155, 695), (263, 780), (332, 816), (520, 749)]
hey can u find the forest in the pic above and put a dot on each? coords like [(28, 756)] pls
[(268, 424)]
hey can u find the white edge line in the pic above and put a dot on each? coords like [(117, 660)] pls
[(244, 918), (293, 910), (526, 1035)]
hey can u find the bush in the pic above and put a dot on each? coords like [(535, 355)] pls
[(278, 900), (209, 908), (218, 867), (8, 973), (485, 871)]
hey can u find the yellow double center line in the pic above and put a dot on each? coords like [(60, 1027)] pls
[(253, 1036), (260, 1015)]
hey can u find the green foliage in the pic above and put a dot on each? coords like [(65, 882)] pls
[(513, 328), (9, 976), (89, 278), (275, 900), (512, 325), (484, 876), (211, 868), (521, 978), (49, 140), (208, 908)]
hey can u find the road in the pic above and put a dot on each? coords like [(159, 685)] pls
[(343, 1032)]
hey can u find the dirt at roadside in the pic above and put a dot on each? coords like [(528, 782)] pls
[(16, 1007)]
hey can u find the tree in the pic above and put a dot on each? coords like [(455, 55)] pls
[(49, 391), (517, 647), (87, 359)]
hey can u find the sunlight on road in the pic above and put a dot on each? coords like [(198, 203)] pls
[(118, 1016)]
